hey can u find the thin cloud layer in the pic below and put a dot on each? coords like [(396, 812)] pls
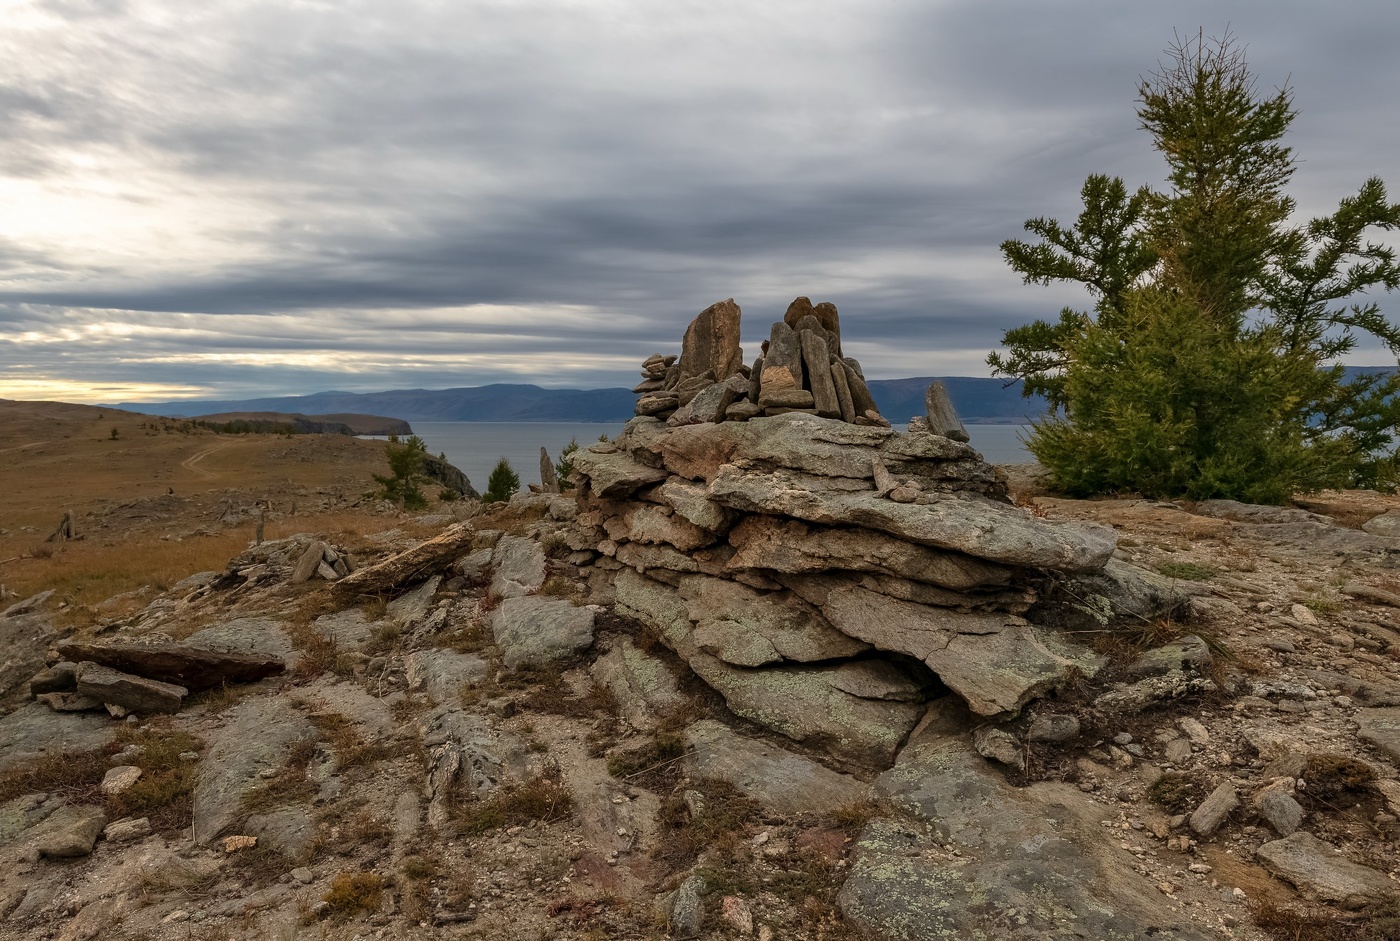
[(234, 198)]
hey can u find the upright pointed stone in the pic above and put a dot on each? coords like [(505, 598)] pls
[(782, 364), (826, 313), (843, 391), (711, 343), (549, 481), (860, 392), (817, 360), (942, 417)]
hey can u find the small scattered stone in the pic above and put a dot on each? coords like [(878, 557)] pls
[(1178, 751), (998, 745), (1282, 812), (301, 875), (120, 779), (1208, 817), (233, 844), (1053, 728), (124, 831)]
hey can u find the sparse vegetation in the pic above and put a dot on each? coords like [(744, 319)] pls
[(351, 894), (543, 799), (1187, 571), (1174, 792)]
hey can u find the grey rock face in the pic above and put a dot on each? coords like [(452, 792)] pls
[(24, 639), (535, 630), (1031, 862), (1316, 867), (614, 474), (33, 730), (941, 416), (257, 736), (520, 567), (996, 662), (711, 342), (1053, 728), (750, 628), (1381, 727), (410, 608), (183, 664), (795, 547), (779, 779), (441, 674), (644, 688)]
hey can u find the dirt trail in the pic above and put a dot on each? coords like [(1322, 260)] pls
[(190, 462)]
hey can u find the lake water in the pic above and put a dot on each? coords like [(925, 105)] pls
[(475, 447)]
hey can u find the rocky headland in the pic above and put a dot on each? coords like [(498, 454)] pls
[(771, 669)]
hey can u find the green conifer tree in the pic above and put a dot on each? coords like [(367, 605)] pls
[(1208, 364)]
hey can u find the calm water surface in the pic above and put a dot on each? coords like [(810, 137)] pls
[(475, 447)]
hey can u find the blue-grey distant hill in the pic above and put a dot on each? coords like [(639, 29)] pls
[(978, 401)]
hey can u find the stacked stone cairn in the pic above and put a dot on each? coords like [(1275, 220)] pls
[(800, 369), (828, 576)]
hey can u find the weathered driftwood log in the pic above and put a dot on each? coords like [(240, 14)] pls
[(412, 565), (190, 667)]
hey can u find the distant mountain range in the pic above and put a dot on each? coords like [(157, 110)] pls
[(978, 401)]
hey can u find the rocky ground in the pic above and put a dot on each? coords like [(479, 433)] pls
[(469, 741)]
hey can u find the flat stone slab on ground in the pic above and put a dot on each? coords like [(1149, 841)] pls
[(1316, 867), (134, 693), (34, 729), (534, 630), (191, 667), (256, 737), (644, 687), (441, 674), (780, 780), (1381, 727)]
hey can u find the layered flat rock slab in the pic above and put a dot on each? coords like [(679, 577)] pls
[(534, 630), (134, 693), (260, 636), (257, 737), (781, 780), (614, 474), (794, 547), (1317, 868), (194, 668), (977, 527), (1031, 862), (645, 690), (808, 704), (351, 629), (1381, 727), (746, 627), (519, 565), (996, 662), (412, 565), (811, 705)]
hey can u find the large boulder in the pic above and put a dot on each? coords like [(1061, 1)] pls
[(194, 668), (711, 342)]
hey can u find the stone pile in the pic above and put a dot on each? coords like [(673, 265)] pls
[(829, 578), (142, 678), (801, 369)]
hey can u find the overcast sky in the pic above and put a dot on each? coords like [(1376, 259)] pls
[(227, 198)]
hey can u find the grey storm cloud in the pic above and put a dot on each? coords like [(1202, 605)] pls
[(231, 197)]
